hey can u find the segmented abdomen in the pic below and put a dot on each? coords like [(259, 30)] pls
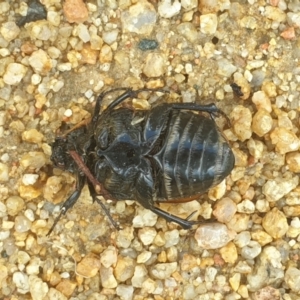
[(193, 158)]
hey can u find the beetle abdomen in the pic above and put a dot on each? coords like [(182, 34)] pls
[(193, 158)]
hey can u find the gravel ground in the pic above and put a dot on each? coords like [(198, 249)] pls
[(56, 58)]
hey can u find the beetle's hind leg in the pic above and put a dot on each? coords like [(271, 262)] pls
[(184, 223)]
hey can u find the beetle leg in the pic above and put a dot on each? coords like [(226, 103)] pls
[(211, 108), (129, 93), (184, 223), (69, 203), (99, 189), (104, 208)]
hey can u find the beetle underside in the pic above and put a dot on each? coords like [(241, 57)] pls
[(172, 155)]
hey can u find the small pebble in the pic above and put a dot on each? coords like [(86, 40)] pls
[(239, 222), (235, 281), (140, 18), (40, 62), (275, 223), (277, 188), (22, 224), (83, 32), (144, 217), (252, 250), (261, 237), (242, 239), (55, 294), (241, 122), (246, 207), (125, 291), (89, 265), (147, 235), (284, 140), (9, 31), (21, 281), (147, 44), (154, 65), (75, 11), (33, 160), (124, 269), (23, 257), (66, 287), (35, 11), (29, 179), (213, 235), (124, 237), (4, 172), (262, 122), (109, 37), (224, 210), (169, 9), (292, 279), (38, 288), (208, 23), (108, 257), (106, 54), (163, 270), (275, 14), (14, 205), (14, 73), (172, 238), (32, 136), (293, 161), (140, 275), (229, 253)]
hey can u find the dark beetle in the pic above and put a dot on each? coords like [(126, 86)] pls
[(169, 153)]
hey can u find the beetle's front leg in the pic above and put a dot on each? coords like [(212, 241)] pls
[(69, 203)]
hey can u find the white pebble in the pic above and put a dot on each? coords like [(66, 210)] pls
[(144, 218), (38, 288), (172, 238), (29, 179), (125, 292), (9, 31), (163, 270), (168, 9), (21, 281), (208, 23), (36, 79), (83, 33), (4, 176), (109, 257), (68, 113), (213, 235), (147, 235), (109, 37), (14, 73), (251, 251), (29, 214)]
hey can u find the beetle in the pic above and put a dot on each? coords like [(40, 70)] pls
[(170, 153)]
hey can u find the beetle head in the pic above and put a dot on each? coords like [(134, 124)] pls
[(60, 155)]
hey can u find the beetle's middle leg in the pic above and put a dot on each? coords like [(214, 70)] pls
[(105, 209)]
